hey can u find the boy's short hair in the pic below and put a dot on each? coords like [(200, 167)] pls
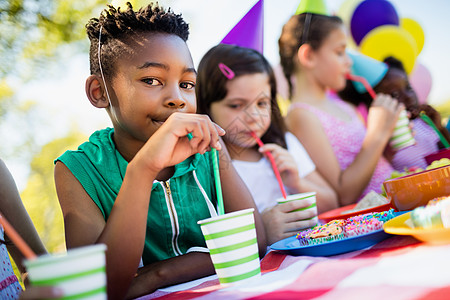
[(120, 27)]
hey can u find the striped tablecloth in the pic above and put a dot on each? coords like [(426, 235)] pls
[(400, 267)]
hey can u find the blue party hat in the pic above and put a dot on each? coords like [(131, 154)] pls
[(249, 31), (372, 70)]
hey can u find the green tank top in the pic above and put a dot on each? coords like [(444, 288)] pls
[(175, 205)]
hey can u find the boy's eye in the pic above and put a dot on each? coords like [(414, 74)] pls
[(187, 85), (151, 81)]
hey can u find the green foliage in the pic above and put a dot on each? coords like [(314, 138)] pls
[(39, 196), (33, 32)]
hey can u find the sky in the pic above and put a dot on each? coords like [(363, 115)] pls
[(61, 97)]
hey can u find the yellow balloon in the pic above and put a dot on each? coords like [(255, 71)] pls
[(415, 30), (390, 40)]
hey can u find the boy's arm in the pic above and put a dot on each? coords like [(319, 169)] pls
[(13, 210), (168, 272), (124, 232), (236, 196), (123, 235)]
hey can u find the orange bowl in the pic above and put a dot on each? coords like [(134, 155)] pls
[(411, 191)]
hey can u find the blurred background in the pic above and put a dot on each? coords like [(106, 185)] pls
[(44, 64)]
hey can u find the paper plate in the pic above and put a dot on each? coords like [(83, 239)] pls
[(341, 212), (292, 246), (397, 225)]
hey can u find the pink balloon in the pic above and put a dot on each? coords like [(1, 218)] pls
[(420, 79), (282, 83)]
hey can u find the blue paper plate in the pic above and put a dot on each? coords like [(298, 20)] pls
[(292, 246)]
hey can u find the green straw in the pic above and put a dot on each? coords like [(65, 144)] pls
[(215, 158), (430, 122)]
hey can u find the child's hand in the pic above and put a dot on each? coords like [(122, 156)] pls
[(383, 115), (286, 164), (281, 221), (170, 144)]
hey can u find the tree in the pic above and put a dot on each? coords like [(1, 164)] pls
[(39, 196), (36, 32)]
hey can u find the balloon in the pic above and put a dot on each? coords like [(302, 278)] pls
[(415, 30), (346, 10), (420, 80), (388, 40), (370, 14), (282, 83)]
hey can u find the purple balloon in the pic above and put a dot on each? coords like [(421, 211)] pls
[(370, 14)]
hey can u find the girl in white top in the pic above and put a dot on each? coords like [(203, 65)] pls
[(236, 88)]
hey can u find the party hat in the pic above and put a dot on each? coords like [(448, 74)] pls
[(313, 7), (372, 70), (249, 31)]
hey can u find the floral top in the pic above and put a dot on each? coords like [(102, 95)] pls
[(9, 284)]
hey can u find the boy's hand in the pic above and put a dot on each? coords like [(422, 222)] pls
[(286, 164), (170, 144)]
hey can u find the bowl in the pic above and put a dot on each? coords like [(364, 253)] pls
[(414, 190), (444, 153)]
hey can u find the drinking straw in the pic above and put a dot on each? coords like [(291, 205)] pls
[(215, 158), (364, 82), (17, 239), (430, 122), (272, 162)]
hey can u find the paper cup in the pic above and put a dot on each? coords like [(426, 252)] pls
[(402, 136), (309, 197), (232, 244), (79, 273)]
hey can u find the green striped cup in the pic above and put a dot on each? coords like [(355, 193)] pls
[(80, 272), (309, 197), (402, 136), (232, 244)]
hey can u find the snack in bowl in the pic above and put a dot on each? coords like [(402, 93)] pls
[(372, 199), (344, 228), (411, 191)]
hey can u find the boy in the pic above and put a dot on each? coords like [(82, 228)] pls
[(141, 187)]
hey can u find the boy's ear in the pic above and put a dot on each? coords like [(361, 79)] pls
[(95, 92), (305, 55)]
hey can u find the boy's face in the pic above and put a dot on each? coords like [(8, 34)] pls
[(396, 84), (157, 79)]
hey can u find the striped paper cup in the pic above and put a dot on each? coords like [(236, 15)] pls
[(309, 197), (232, 244), (80, 272), (402, 136)]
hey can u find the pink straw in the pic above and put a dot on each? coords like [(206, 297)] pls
[(17, 239), (272, 162), (364, 82)]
